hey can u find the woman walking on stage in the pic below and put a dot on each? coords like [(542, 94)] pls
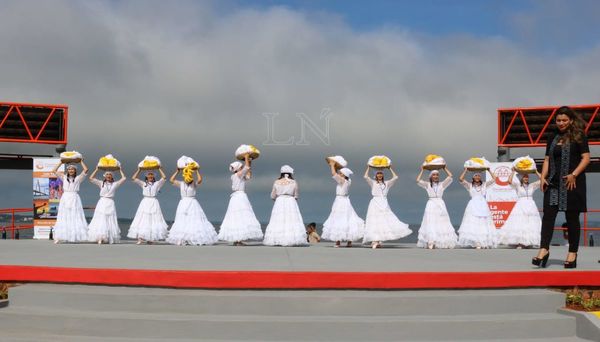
[(343, 224), (70, 225), (436, 230), (285, 227), (381, 223), (191, 227), (477, 228), (104, 226), (563, 183), (240, 223), (522, 228), (148, 224)]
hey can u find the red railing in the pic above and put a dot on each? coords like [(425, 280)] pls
[(13, 227), (585, 227)]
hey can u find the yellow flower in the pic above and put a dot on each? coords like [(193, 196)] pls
[(188, 173), (478, 161), (69, 154), (104, 161), (381, 161), (150, 164), (524, 164), (254, 149), (430, 157)]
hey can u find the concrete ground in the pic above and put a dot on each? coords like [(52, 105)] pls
[(255, 257)]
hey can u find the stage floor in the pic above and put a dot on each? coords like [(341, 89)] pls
[(316, 266)]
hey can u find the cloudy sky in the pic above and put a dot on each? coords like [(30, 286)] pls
[(196, 77)]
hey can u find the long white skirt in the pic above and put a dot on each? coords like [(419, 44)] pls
[(148, 223), (104, 225), (191, 227), (436, 227), (286, 227), (240, 223), (343, 224), (523, 226), (381, 224), (70, 225), (477, 228)]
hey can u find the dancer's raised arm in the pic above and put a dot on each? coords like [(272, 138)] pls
[(173, 180)]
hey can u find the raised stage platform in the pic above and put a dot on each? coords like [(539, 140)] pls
[(396, 266)]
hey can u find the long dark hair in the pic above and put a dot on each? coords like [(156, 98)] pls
[(290, 176), (576, 130), (69, 177), (473, 181)]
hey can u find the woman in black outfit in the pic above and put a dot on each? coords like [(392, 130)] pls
[(563, 182)]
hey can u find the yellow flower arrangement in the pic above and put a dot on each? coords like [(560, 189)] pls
[(479, 161), (150, 164), (524, 165), (188, 173), (379, 161), (251, 150), (108, 162), (430, 157), (70, 157)]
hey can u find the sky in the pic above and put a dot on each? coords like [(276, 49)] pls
[(199, 78)]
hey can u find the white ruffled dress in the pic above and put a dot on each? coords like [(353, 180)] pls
[(191, 227), (71, 225), (477, 228), (343, 224), (149, 223), (381, 223), (105, 225), (524, 224), (240, 222), (436, 228), (286, 227)]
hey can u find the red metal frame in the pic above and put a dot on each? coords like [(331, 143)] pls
[(14, 106), (521, 112), (12, 228)]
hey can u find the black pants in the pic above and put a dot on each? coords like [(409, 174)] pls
[(548, 222)]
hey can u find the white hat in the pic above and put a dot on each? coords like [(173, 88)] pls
[(346, 171), (71, 166), (434, 172), (287, 169), (236, 165), (107, 173)]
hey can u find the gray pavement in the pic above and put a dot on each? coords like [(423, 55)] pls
[(320, 257)]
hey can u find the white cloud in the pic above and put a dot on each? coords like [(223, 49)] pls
[(151, 78)]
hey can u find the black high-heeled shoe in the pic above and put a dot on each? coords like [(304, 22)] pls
[(571, 264), (541, 261)]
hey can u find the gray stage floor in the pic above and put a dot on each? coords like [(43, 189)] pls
[(320, 257)]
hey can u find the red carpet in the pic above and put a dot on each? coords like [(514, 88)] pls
[(298, 280)]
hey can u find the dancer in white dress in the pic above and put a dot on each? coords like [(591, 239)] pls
[(240, 223), (70, 225), (381, 223), (343, 224), (191, 227), (148, 224), (104, 226), (436, 230), (285, 227), (523, 226), (477, 228)]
